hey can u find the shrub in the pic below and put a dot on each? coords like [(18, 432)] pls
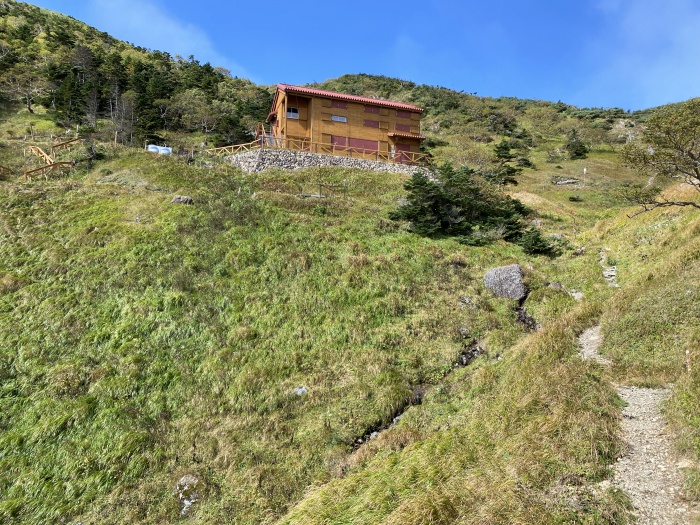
[(534, 243), (458, 203), (576, 148)]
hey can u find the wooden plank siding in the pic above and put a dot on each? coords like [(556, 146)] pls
[(304, 116)]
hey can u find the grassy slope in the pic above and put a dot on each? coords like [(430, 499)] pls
[(505, 437), (651, 327), (479, 467), (498, 441), (148, 340), (145, 340)]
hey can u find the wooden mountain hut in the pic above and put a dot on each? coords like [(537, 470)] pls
[(335, 123)]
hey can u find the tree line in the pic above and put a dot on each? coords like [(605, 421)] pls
[(84, 77)]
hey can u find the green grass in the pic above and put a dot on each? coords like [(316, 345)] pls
[(489, 446), (145, 341)]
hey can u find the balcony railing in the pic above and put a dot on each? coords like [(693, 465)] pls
[(299, 144)]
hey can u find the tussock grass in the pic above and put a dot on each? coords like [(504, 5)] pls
[(652, 321), (144, 340), (493, 445)]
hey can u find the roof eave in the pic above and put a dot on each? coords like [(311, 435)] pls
[(287, 88), (406, 135)]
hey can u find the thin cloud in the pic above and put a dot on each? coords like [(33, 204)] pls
[(150, 24), (650, 55)]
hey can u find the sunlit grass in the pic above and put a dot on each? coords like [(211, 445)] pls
[(144, 341)]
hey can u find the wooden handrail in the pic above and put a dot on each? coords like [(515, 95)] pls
[(63, 145), (400, 157), (45, 170), (36, 150), (234, 148), (303, 144)]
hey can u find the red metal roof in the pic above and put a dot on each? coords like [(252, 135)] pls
[(405, 135), (286, 88)]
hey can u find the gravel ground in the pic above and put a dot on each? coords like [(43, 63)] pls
[(649, 472), (589, 342)]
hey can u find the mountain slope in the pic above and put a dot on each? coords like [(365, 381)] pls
[(260, 346)]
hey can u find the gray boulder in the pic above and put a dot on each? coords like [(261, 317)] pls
[(506, 281)]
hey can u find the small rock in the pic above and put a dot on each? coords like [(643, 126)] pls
[(300, 390), (556, 286), (470, 353), (186, 491), (182, 199), (466, 302)]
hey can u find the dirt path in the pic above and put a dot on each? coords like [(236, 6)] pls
[(648, 472)]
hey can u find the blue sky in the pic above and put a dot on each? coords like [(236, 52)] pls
[(631, 54)]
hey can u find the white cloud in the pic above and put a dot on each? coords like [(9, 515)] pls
[(150, 24), (651, 55)]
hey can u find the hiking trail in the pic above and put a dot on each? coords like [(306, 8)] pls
[(649, 472)]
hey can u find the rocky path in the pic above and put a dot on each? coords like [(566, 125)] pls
[(648, 472)]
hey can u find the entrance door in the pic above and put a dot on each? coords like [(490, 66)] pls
[(401, 155)]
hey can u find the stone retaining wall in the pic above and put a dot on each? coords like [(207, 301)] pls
[(262, 159)]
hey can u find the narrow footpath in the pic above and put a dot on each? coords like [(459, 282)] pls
[(648, 472)]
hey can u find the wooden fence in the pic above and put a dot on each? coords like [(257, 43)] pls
[(36, 150), (45, 171), (51, 166), (63, 145), (400, 157), (232, 150)]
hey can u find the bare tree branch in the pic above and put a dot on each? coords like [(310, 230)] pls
[(669, 147)]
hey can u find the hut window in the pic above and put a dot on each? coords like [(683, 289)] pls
[(293, 113), (372, 109), (403, 127), (339, 104), (372, 123), (338, 118), (403, 114)]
